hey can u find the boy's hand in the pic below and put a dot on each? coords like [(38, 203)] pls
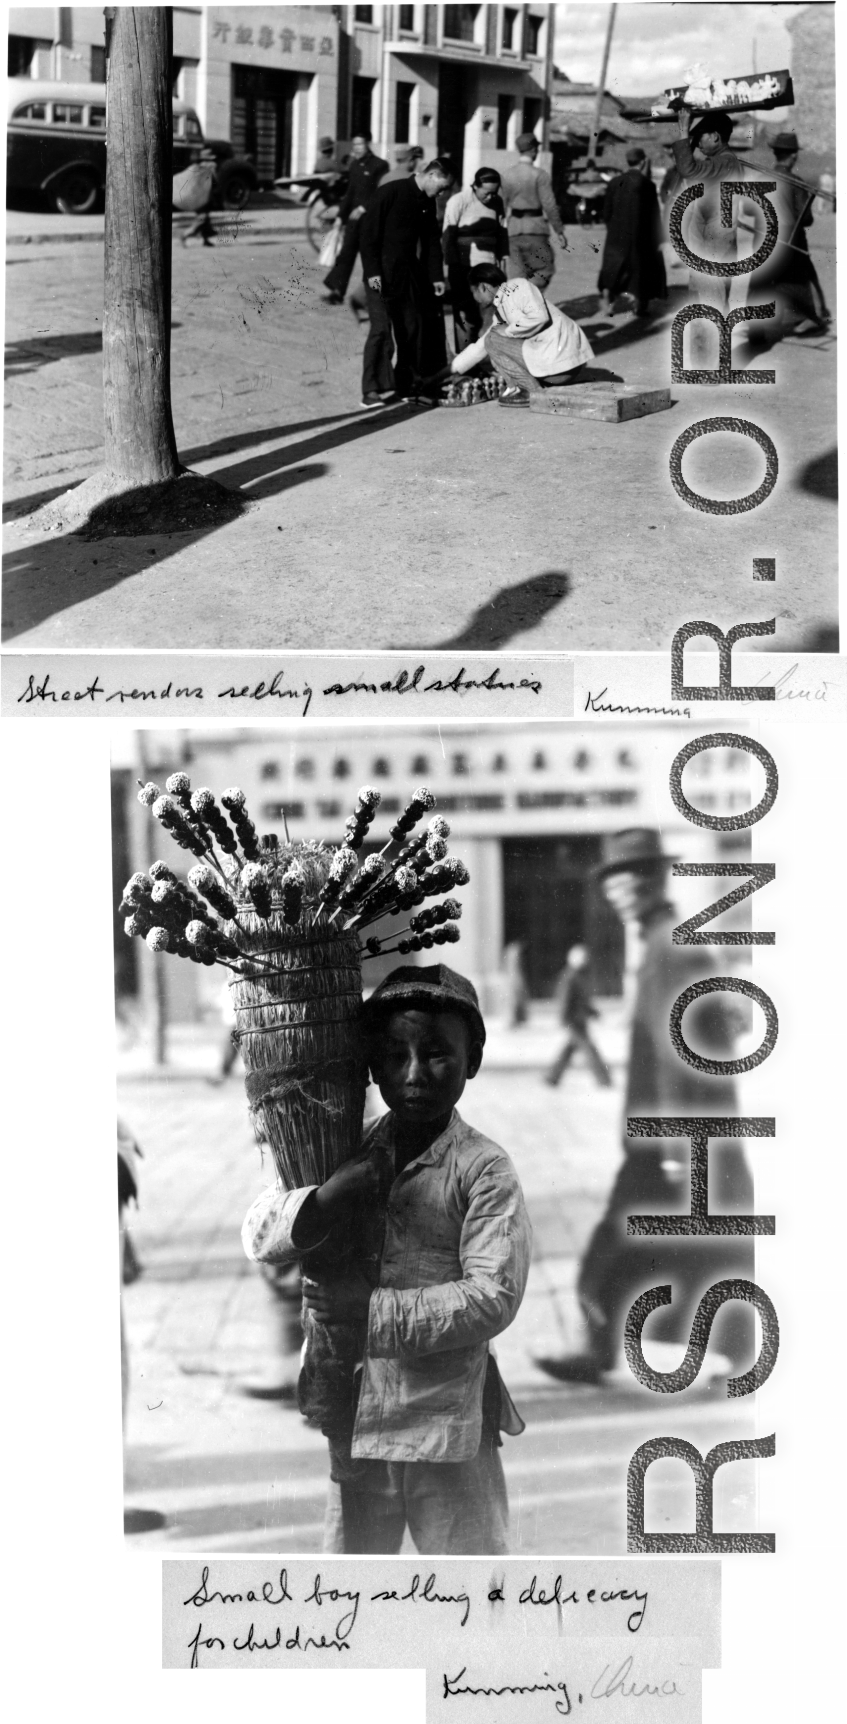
[(344, 1301), (357, 1178)]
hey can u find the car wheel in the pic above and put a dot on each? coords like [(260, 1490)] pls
[(77, 193), (236, 192)]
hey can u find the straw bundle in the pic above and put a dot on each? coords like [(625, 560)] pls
[(297, 1031)]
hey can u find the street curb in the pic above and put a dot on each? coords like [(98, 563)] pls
[(247, 230)]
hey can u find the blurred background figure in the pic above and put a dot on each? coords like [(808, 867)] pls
[(653, 1178), (801, 307), (406, 159), (576, 1009), (229, 1045), (195, 190), (632, 259), (284, 1338), (130, 1268), (326, 161), (516, 990)]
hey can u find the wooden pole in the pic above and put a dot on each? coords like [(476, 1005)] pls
[(140, 443), (601, 87)]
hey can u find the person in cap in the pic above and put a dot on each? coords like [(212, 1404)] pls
[(653, 1177), (789, 273), (709, 136), (421, 1243), (474, 231), (632, 259), (530, 343), (325, 157), (406, 159), (532, 211)]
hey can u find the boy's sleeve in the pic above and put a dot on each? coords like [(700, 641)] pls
[(269, 1226), (495, 1251)]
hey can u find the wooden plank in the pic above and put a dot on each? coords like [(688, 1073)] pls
[(613, 402)]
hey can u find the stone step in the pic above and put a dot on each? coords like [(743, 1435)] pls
[(610, 401)]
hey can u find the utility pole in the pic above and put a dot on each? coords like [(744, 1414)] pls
[(601, 87)]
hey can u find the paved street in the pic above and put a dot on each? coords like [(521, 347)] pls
[(231, 1473), (475, 529)]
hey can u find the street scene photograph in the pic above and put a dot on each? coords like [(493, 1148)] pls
[(373, 1197), (308, 306)]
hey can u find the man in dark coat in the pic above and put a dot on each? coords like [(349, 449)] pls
[(404, 268), (365, 171), (632, 262), (790, 271), (653, 1178)]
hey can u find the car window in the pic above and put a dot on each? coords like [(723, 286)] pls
[(31, 111), (97, 118), (64, 114)]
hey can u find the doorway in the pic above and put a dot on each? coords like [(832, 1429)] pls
[(552, 903), (453, 115), (263, 118)]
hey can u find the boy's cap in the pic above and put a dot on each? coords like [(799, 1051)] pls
[(525, 142), (426, 985)]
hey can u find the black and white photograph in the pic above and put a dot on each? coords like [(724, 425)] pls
[(429, 1277), (379, 315), (422, 737)]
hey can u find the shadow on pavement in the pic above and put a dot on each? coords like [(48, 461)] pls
[(511, 612), (37, 585), (820, 476), (38, 350)]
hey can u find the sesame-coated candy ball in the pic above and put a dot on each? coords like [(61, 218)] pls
[(436, 848), (137, 882), (147, 794), (197, 934), (136, 924), (342, 864), (158, 939), (423, 798), (233, 798), (368, 798), (406, 880), (202, 800), (439, 827), (178, 784), (161, 871)]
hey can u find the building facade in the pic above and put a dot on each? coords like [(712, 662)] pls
[(528, 805), (458, 80)]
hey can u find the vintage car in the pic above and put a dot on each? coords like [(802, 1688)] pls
[(56, 147)]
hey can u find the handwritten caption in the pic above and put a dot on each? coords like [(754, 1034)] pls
[(542, 1640)]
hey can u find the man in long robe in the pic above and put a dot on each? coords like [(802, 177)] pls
[(632, 261), (404, 270)]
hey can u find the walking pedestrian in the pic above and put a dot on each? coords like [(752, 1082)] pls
[(653, 1178), (364, 172), (632, 259), (403, 265), (790, 272), (532, 212), (474, 232), (576, 1009), (194, 190), (419, 1247)]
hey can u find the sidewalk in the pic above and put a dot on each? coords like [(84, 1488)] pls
[(230, 1473), (269, 217)]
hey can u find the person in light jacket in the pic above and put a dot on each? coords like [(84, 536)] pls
[(415, 1256)]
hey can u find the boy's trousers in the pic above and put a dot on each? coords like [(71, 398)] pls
[(452, 1508)]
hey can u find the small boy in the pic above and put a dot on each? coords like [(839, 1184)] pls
[(416, 1255)]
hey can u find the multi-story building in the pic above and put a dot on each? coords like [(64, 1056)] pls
[(528, 805), (459, 80)]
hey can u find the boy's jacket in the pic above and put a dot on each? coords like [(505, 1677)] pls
[(448, 1256)]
